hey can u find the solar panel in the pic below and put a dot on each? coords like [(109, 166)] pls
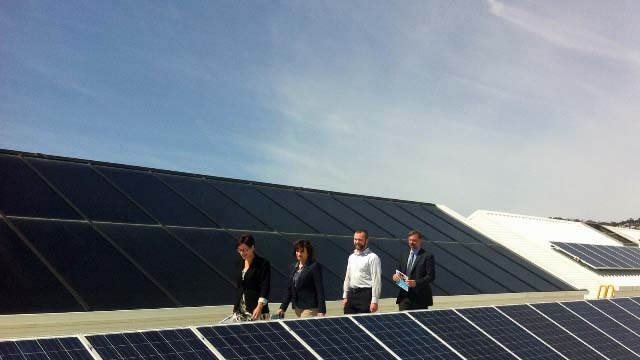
[(255, 341), (617, 313), (173, 228), (151, 345), (585, 331), (602, 257), (510, 334), (461, 335), (338, 338), (629, 305), (405, 337), (549, 332), (67, 348), (605, 324)]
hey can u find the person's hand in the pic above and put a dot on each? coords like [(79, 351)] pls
[(320, 314), (373, 307), (411, 283), (396, 277), (257, 312), (344, 302), (280, 313)]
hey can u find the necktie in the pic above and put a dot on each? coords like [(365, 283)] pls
[(412, 257)]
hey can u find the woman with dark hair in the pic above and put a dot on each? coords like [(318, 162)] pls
[(253, 282), (306, 290)]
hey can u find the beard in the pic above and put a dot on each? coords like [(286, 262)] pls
[(360, 246)]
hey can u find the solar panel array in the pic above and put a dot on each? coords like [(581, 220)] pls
[(567, 330), (602, 257), (81, 235)]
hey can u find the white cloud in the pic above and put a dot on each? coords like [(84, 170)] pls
[(564, 33)]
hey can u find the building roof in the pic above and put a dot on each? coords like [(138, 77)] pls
[(531, 237)]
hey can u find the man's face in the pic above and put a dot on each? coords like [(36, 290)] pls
[(415, 242), (359, 241)]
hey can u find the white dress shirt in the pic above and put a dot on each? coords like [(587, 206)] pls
[(363, 271)]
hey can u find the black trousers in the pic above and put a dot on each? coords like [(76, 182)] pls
[(358, 301), (406, 304)]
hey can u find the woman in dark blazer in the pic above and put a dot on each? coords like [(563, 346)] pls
[(253, 281), (305, 291)]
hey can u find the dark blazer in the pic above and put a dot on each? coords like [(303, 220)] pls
[(256, 284), (308, 291), (423, 272)]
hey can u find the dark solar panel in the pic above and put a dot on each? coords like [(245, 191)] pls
[(68, 348), (605, 324), (585, 331), (604, 257), (617, 313), (180, 344), (24, 193), (306, 210), (338, 338), (265, 209), (488, 267), (267, 340), (461, 335), (163, 203), (26, 284), (510, 334), (85, 188), (445, 227), (550, 332), (383, 220), (103, 277), (224, 211), (463, 268), (405, 337), (521, 270), (629, 305), (174, 266), (346, 215)]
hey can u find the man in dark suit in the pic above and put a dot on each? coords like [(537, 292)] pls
[(420, 268)]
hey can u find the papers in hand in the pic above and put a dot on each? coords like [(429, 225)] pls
[(402, 283)]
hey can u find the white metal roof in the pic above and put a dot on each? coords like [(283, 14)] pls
[(631, 234), (530, 237)]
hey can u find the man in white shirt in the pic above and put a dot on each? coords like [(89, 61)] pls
[(362, 282)]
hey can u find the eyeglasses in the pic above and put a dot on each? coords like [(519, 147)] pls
[(242, 251)]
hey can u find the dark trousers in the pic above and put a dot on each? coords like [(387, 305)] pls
[(358, 301), (406, 304)]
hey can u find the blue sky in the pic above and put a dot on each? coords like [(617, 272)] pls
[(518, 106)]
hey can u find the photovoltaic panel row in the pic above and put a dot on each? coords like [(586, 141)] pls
[(405, 337), (338, 338), (586, 331), (629, 304), (605, 324), (180, 344), (508, 333), (604, 257), (255, 341), (66, 348), (537, 331), (117, 193), (618, 313), (548, 331), (462, 335)]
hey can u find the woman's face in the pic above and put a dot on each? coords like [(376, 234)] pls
[(302, 255), (245, 251)]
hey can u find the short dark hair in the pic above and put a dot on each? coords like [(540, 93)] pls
[(366, 234), (246, 239), (304, 244), (415, 232)]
